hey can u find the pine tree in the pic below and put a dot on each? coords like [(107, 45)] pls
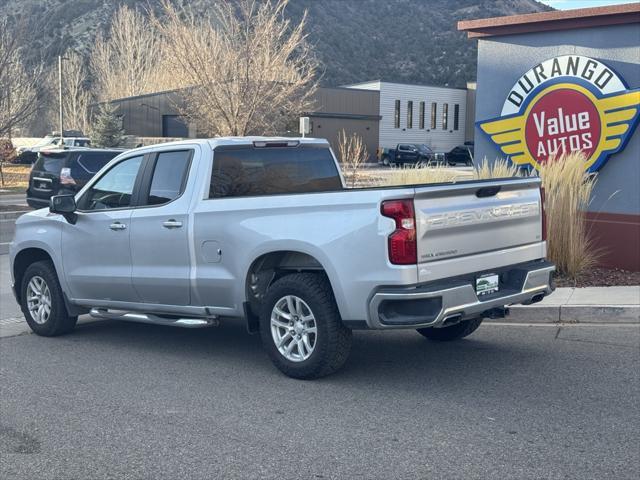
[(107, 128)]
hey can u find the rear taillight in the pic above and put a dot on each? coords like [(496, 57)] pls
[(66, 178), (402, 242), (543, 214)]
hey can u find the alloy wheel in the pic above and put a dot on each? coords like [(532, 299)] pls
[(39, 300), (293, 328)]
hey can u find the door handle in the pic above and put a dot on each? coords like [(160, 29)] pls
[(172, 224), (117, 226)]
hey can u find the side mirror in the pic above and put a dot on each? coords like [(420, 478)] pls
[(64, 205)]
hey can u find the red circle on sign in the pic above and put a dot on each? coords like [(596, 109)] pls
[(562, 121)]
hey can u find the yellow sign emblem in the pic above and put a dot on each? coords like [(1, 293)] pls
[(563, 105)]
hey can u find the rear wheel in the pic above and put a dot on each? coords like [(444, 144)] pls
[(42, 301), (454, 332), (385, 161), (301, 328)]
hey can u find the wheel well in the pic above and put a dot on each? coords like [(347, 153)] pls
[(269, 267), (22, 261)]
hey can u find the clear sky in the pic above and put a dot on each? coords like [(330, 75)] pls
[(570, 4)]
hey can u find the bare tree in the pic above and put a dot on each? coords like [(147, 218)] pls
[(352, 154), (248, 69), (18, 86), (126, 62), (76, 96)]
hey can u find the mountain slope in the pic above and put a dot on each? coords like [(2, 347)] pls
[(412, 41)]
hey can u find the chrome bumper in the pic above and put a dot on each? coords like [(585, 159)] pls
[(459, 302)]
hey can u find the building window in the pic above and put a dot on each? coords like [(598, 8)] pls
[(421, 120), (445, 116), (409, 114), (434, 113), (456, 116), (396, 116)]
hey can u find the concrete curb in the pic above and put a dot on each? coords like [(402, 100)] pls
[(572, 314)]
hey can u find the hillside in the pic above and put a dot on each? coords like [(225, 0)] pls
[(412, 41)]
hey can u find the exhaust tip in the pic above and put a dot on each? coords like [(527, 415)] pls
[(537, 298), (451, 319)]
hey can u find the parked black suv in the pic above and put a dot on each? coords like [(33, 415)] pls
[(462, 154), (58, 171)]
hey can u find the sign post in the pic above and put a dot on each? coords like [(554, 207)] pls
[(305, 126)]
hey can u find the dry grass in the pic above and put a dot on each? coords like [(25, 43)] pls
[(353, 155), (568, 189), (498, 169), (415, 175), (15, 176)]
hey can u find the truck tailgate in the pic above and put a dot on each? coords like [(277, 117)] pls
[(457, 221)]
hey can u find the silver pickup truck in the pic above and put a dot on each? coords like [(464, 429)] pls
[(262, 230)]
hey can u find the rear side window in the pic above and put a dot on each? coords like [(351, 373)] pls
[(168, 177), (250, 171), (50, 162)]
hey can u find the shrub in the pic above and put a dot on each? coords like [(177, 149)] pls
[(568, 189), (7, 151)]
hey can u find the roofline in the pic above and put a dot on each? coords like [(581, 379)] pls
[(555, 20), (144, 95), (348, 88), (351, 85)]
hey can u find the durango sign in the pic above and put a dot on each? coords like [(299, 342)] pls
[(562, 105)]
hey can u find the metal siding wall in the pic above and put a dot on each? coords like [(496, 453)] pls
[(347, 101), (142, 115), (502, 60), (330, 128), (438, 139)]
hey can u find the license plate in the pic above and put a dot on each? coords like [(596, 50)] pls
[(487, 284)]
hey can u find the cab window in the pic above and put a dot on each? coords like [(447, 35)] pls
[(115, 187), (169, 175)]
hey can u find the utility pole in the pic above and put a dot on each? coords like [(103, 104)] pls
[(60, 98)]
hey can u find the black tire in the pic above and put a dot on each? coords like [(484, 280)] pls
[(333, 339), (385, 161), (58, 321), (454, 332)]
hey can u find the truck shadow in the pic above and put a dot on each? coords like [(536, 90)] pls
[(393, 358)]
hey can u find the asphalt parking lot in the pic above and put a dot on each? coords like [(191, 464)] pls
[(121, 400)]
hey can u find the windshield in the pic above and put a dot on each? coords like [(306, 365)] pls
[(424, 149)]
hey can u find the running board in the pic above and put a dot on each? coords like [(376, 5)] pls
[(106, 314)]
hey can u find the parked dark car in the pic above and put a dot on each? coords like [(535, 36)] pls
[(460, 155), (58, 171), (29, 155), (407, 153)]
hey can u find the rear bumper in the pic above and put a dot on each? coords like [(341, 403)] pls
[(446, 302)]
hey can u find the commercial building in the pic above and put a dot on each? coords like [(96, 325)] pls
[(382, 113), (435, 116), (563, 81)]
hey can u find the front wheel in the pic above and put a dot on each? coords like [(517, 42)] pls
[(454, 332), (42, 301), (301, 328)]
